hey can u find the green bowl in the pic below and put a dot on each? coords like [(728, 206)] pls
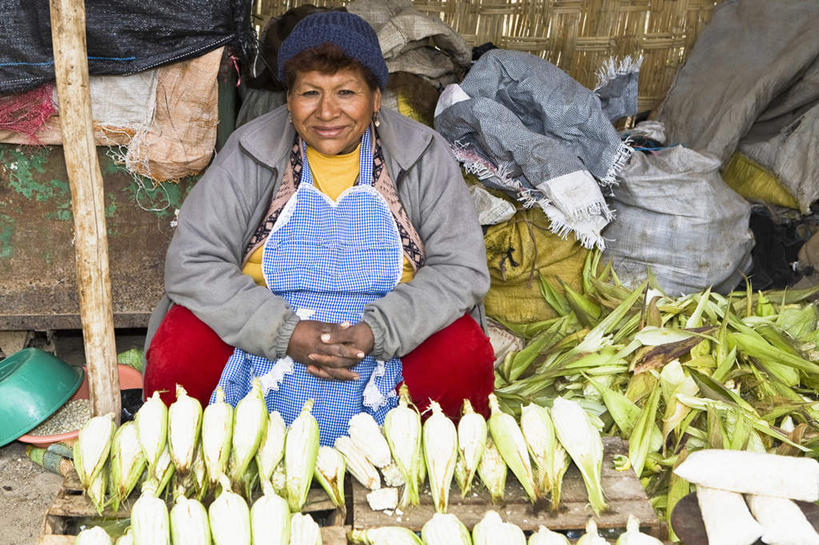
[(34, 384)]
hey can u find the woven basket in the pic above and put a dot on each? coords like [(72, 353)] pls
[(576, 35)]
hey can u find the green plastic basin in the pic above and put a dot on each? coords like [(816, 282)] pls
[(33, 385)]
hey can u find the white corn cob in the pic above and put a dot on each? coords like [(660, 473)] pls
[(163, 471), (93, 536), (402, 429), (549, 455), (330, 469), (249, 425), (491, 530), (582, 441), (512, 446), (96, 490), (591, 537), (633, 535), (387, 535), (279, 480), (127, 538), (127, 463), (357, 463), (300, 453), (184, 423), (270, 518), (229, 517), (440, 455), (189, 523), (92, 447), (217, 434), (149, 518), (544, 536), (366, 434), (304, 530), (443, 529), (392, 475), (492, 471), (471, 443), (271, 449), (152, 428)]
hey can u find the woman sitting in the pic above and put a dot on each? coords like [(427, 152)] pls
[(331, 249)]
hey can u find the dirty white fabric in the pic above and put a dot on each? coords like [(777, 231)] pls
[(678, 218)]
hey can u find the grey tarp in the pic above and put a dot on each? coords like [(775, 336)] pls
[(751, 82)]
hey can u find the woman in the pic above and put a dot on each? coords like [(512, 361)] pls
[(334, 245)]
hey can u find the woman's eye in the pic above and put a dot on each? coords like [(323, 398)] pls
[(310, 93), (346, 92)]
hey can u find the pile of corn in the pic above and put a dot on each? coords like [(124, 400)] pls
[(674, 374)]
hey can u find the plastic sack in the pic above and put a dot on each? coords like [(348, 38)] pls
[(676, 216)]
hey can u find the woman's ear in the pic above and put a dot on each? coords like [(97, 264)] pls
[(377, 101)]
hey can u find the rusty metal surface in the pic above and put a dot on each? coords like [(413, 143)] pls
[(37, 271)]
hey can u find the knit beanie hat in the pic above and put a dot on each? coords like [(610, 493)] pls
[(348, 31)]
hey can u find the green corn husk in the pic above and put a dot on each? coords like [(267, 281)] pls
[(443, 529), (639, 442), (330, 470), (491, 530), (512, 446), (152, 428), (300, 453), (271, 449), (93, 536), (199, 474), (184, 425), (544, 536), (249, 425), (304, 530), (150, 522), (217, 435), (387, 535), (189, 523), (128, 462), (229, 517), (270, 518), (164, 471), (551, 459), (96, 490), (633, 535), (591, 537), (92, 447), (492, 471), (582, 441), (472, 432), (440, 444), (402, 429), (367, 436)]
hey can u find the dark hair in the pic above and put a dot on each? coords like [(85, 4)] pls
[(327, 58)]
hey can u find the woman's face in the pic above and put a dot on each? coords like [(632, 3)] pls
[(332, 111)]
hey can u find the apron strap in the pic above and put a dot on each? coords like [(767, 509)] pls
[(365, 163)]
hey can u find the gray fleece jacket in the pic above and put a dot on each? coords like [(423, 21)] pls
[(204, 259)]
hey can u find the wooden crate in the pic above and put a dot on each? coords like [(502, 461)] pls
[(71, 505), (622, 489)]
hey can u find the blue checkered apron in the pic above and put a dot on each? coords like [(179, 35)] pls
[(328, 260)]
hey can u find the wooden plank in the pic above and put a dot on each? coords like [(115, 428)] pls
[(56, 540), (330, 535), (87, 204), (622, 488)]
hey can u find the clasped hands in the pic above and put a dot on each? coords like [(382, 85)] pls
[(330, 350)]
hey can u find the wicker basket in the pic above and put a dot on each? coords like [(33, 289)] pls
[(576, 35)]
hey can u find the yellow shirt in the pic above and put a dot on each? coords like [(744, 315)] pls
[(332, 175)]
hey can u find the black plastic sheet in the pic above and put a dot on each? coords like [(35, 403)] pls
[(123, 36)]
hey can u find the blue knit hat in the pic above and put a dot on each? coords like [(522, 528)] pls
[(348, 31)]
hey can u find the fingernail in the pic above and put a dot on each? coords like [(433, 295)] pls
[(311, 357), (325, 337), (344, 325), (360, 354), (357, 377)]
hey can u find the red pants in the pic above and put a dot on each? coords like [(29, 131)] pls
[(452, 365)]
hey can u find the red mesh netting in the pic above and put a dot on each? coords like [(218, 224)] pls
[(26, 112)]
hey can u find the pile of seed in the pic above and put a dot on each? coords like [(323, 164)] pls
[(70, 417)]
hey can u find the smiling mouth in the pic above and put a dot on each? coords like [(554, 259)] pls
[(328, 132)]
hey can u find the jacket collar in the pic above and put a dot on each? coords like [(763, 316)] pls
[(268, 139)]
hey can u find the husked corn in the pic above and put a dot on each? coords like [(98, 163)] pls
[(440, 443), (300, 453), (152, 428), (249, 425), (270, 518), (357, 463), (402, 429), (189, 523), (445, 529), (217, 433), (184, 424), (366, 434)]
